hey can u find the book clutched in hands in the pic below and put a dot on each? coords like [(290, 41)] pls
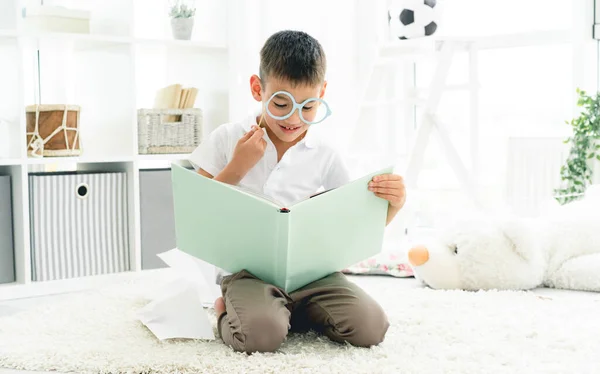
[(287, 246)]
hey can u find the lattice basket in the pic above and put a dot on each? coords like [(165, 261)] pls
[(162, 131), (53, 130)]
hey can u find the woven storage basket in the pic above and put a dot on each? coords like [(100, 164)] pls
[(53, 130), (163, 131)]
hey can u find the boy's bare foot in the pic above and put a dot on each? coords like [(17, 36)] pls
[(219, 306)]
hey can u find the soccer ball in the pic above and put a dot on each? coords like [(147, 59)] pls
[(408, 19)]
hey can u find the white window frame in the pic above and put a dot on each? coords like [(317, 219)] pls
[(597, 19)]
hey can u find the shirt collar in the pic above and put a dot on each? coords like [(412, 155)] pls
[(310, 140)]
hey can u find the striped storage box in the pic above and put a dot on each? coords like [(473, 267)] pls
[(79, 225), (7, 258)]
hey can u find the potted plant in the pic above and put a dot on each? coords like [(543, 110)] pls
[(577, 172), (182, 19)]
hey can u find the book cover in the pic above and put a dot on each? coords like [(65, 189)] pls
[(234, 229)]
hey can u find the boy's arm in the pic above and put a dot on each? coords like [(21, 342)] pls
[(249, 149), (391, 188), (391, 213), (227, 175)]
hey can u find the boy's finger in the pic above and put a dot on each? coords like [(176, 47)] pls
[(257, 135), (387, 177), (387, 183), (385, 196), (247, 135), (389, 191)]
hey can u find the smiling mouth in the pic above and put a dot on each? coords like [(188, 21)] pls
[(289, 128)]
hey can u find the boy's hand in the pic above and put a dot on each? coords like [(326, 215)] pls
[(391, 188), (249, 150)]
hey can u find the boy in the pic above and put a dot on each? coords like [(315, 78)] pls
[(275, 153)]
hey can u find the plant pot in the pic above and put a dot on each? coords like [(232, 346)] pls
[(182, 28)]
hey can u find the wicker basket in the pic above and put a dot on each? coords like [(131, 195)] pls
[(163, 131), (53, 130)]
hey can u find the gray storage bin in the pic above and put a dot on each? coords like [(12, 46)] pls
[(7, 257), (157, 219), (79, 224)]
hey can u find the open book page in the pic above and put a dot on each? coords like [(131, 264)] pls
[(275, 201), (260, 196), (226, 227), (338, 228)]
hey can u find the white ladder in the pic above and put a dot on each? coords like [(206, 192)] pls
[(443, 55)]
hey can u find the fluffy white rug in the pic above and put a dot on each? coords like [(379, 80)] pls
[(431, 332)]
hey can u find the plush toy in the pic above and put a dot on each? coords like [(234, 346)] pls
[(560, 249)]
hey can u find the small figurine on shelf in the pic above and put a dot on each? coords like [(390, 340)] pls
[(182, 19)]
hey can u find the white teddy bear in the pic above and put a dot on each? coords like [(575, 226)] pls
[(560, 250)]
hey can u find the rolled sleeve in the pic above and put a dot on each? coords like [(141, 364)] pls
[(210, 155)]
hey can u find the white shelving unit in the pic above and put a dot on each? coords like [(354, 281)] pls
[(111, 73)]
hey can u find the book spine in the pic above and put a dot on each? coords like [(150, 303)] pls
[(283, 244)]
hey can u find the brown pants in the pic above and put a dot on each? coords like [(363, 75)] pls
[(259, 315)]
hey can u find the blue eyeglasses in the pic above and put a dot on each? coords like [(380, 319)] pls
[(281, 105)]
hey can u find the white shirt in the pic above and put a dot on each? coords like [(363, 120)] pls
[(304, 169)]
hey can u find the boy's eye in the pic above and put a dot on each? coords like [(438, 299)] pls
[(307, 108), (280, 105)]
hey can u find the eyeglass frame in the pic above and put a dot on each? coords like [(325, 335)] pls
[(298, 106)]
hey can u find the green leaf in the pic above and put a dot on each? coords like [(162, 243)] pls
[(584, 144)]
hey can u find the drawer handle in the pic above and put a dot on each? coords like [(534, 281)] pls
[(82, 190)]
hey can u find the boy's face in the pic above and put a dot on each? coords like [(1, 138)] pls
[(292, 128)]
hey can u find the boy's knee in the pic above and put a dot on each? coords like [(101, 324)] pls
[(264, 334), (364, 326)]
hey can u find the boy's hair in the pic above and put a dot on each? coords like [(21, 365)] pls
[(294, 56)]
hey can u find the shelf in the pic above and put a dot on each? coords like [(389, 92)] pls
[(181, 43), (8, 34), (9, 161), (110, 73), (83, 160), (76, 160), (17, 290), (80, 41), (99, 40), (149, 162), (164, 157)]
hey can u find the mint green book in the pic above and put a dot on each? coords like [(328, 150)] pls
[(287, 246)]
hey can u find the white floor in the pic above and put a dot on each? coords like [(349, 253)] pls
[(11, 307)]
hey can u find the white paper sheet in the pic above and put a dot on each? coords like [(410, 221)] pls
[(196, 271), (177, 310)]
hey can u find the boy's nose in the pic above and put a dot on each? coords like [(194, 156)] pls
[(294, 119)]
